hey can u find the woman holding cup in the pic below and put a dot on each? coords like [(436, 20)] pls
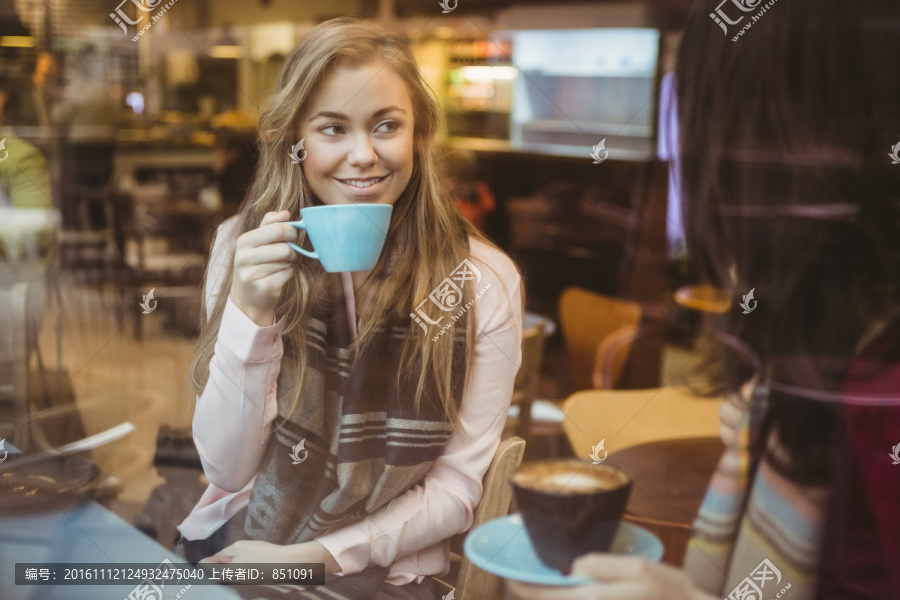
[(332, 428)]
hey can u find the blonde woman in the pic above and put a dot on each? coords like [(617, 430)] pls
[(334, 423)]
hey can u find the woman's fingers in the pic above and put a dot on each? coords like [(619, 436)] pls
[(271, 229), (276, 252), (269, 233), (225, 555), (528, 591), (262, 271), (609, 567), (217, 559), (273, 216)]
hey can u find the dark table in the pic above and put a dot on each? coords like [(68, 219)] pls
[(670, 480), (81, 531)]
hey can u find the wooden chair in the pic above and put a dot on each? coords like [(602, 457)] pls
[(630, 417), (525, 389), (473, 583), (703, 298), (87, 244), (13, 358), (150, 259), (586, 319), (614, 350)]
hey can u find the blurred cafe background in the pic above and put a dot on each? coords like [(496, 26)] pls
[(123, 152)]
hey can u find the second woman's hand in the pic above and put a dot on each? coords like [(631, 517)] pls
[(616, 578), (262, 266)]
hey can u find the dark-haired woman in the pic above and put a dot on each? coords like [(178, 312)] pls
[(788, 188)]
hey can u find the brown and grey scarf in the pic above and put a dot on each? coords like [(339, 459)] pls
[(352, 444)]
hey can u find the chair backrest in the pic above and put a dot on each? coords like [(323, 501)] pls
[(473, 583), (626, 418), (13, 357), (586, 318), (611, 354), (525, 389), (703, 298)]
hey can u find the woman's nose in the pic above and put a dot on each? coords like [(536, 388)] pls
[(362, 153)]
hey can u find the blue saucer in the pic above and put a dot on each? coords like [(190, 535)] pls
[(502, 547)]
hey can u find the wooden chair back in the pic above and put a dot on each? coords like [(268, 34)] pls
[(612, 352), (587, 318), (526, 386), (473, 583), (13, 358), (627, 418)]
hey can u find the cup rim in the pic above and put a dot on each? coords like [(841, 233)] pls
[(575, 461), (354, 205)]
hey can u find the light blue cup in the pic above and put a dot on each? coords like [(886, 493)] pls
[(345, 237)]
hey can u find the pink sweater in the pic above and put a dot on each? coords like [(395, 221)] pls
[(234, 415)]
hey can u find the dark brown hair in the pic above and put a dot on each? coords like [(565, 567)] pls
[(788, 188)]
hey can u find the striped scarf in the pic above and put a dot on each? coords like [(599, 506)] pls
[(756, 545), (352, 444)]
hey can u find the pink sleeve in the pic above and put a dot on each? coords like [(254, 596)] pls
[(444, 503), (233, 417)]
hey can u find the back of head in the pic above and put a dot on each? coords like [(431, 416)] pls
[(786, 131), (788, 186)]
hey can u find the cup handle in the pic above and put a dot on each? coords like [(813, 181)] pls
[(301, 225)]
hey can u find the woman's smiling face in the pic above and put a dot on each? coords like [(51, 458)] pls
[(358, 136)]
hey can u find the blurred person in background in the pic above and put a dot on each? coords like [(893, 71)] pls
[(44, 88), (27, 214), (234, 163), (789, 188), (24, 178), (472, 195)]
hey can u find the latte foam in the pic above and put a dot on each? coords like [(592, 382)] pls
[(568, 477)]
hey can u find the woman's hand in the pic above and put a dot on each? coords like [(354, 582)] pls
[(262, 265), (255, 551), (616, 578), (252, 551)]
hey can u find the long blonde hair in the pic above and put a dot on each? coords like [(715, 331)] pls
[(427, 238)]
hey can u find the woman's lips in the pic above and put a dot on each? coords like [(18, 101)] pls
[(367, 190)]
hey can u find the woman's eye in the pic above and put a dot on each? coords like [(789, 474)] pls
[(332, 130), (387, 126)]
